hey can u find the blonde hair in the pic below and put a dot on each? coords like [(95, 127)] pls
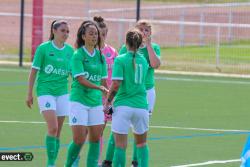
[(143, 23)]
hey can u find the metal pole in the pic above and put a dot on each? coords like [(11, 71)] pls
[(138, 9), (218, 48), (230, 20), (21, 34), (201, 29), (182, 29)]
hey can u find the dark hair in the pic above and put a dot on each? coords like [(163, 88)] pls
[(100, 22), (82, 30), (133, 41), (54, 25)]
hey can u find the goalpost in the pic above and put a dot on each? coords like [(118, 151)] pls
[(37, 25)]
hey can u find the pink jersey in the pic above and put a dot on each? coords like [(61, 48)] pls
[(109, 53)]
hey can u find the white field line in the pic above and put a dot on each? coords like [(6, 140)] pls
[(204, 80), (202, 74), (155, 127), (167, 22), (157, 71), (3, 62), (210, 163), (171, 7)]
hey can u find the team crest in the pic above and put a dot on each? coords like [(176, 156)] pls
[(47, 105), (51, 54), (108, 55), (74, 120), (85, 60)]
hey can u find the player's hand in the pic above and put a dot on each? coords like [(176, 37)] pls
[(29, 100), (104, 90), (106, 106), (146, 38)]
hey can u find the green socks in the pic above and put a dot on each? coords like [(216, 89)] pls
[(111, 148), (57, 147), (51, 149), (93, 154), (72, 154), (143, 156), (134, 152), (119, 157)]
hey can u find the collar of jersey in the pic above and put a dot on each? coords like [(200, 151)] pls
[(54, 45), (105, 45), (131, 53), (142, 47), (85, 50)]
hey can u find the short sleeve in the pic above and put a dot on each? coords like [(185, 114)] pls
[(157, 51), (77, 68), (117, 73), (38, 58)]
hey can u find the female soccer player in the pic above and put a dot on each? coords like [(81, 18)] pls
[(109, 53), (151, 51), (130, 103), (51, 62), (89, 82)]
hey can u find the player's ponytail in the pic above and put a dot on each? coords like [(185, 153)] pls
[(99, 20), (133, 41)]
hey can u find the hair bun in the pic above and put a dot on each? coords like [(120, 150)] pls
[(98, 19)]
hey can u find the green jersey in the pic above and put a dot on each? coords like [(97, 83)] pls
[(93, 68), (150, 82), (132, 90), (53, 64)]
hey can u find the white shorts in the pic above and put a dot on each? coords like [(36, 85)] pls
[(124, 117), (59, 104), (151, 100), (84, 115)]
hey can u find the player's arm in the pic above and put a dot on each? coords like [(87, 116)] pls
[(111, 94), (105, 85), (155, 61), (83, 81), (36, 66), (32, 77), (78, 73), (117, 77)]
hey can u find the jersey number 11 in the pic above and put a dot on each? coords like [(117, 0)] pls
[(138, 73)]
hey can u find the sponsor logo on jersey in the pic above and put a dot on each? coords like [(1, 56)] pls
[(49, 69), (92, 77)]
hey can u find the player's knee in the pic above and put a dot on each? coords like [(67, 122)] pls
[(78, 140), (141, 144), (53, 131)]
